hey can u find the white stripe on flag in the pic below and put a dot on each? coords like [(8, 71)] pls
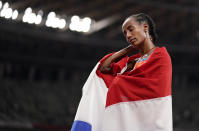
[(92, 105), (144, 115)]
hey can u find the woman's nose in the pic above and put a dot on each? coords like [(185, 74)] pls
[(128, 34)]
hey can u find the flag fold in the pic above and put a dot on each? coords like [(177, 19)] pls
[(137, 100)]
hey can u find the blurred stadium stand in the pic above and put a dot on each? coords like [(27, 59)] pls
[(42, 70)]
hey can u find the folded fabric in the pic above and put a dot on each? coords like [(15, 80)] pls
[(137, 100)]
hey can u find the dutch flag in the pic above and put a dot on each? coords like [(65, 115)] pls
[(139, 100)]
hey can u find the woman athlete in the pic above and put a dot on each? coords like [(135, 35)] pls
[(139, 31), (129, 93)]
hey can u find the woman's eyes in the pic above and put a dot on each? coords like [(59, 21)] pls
[(131, 30)]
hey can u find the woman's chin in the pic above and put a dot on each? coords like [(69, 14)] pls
[(134, 44)]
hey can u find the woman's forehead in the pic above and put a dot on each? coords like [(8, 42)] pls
[(129, 22)]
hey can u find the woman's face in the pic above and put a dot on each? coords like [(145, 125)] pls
[(134, 32)]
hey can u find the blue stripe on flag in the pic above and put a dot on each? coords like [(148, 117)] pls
[(81, 126)]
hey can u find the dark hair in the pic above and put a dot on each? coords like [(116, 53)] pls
[(142, 17)]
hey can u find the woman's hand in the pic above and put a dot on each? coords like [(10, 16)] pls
[(105, 67), (129, 49)]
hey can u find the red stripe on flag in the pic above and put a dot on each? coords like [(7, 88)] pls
[(151, 80)]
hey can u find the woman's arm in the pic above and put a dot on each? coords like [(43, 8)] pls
[(105, 67)]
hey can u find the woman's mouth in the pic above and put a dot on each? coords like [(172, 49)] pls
[(132, 41)]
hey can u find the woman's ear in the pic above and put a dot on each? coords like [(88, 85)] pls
[(146, 27)]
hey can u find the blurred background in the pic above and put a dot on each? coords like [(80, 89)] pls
[(49, 47)]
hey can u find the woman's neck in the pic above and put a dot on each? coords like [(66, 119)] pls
[(146, 46)]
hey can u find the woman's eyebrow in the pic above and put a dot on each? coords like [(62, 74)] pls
[(130, 26)]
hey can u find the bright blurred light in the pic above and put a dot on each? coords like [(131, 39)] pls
[(86, 24), (87, 20), (80, 25), (51, 15), (62, 23), (74, 22), (15, 14), (50, 19), (38, 19), (27, 13), (24, 19), (75, 19), (2, 13), (28, 10), (4, 9), (55, 22), (6, 5), (48, 23), (1, 4), (31, 17), (8, 13)]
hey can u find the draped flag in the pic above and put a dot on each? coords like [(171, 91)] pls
[(137, 100)]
